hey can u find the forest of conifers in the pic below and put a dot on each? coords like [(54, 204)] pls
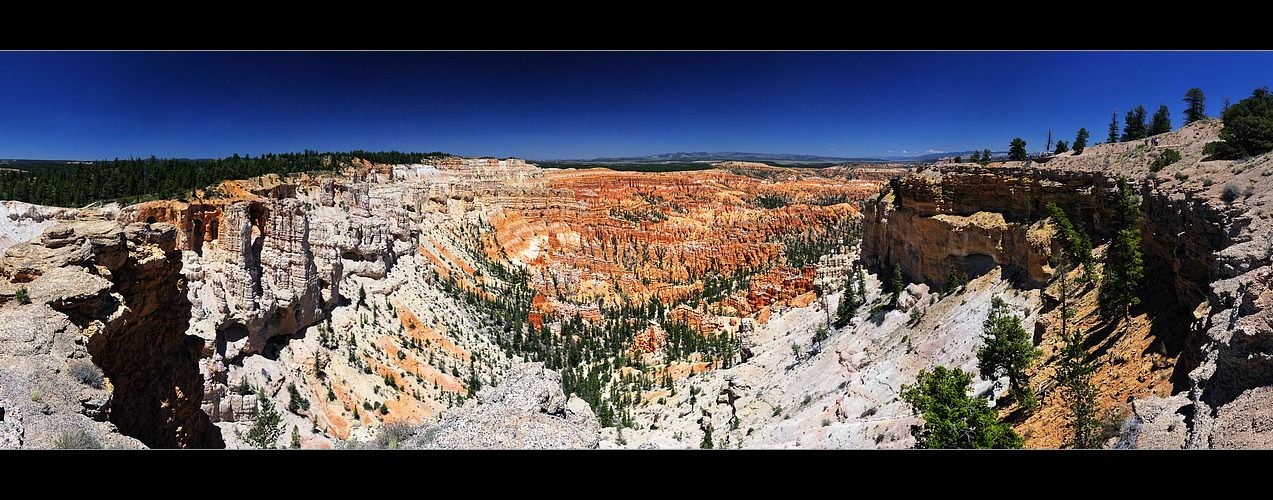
[(136, 179)]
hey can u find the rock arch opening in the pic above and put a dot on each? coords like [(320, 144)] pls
[(196, 236)]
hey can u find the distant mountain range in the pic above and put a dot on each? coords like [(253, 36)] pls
[(680, 157), (727, 156), (763, 157)]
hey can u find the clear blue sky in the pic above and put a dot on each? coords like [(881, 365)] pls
[(586, 104)]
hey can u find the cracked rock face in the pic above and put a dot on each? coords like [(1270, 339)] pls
[(92, 342)]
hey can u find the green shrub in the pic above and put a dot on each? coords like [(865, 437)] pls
[(22, 295), (78, 439), (952, 418), (87, 373), (1168, 157), (297, 403)]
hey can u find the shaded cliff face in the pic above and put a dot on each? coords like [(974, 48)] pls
[(151, 361), (119, 289)]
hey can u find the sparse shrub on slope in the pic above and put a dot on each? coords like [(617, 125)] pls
[(87, 373), (78, 439), (1230, 192), (393, 435)]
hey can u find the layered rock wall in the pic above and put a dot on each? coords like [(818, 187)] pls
[(976, 218), (121, 289), (1211, 254)]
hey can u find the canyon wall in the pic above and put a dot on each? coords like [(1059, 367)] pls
[(118, 291), (1205, 249)]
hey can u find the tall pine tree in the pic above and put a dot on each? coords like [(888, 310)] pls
[(1162, 121), (1075, 244), (1124, 266), (1196, 107), (1135, 127), (1016, 150), (1074, 376)]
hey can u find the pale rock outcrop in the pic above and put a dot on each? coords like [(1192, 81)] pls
[(20, 222), (915, 294), (527, 410), (365, 244), (95, 292), (261, 281)]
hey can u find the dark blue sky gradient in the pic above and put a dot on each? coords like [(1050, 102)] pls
[(572, 105)]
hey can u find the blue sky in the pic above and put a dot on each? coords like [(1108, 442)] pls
[(586, 104)]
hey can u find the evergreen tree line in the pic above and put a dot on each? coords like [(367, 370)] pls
[(128, 180)]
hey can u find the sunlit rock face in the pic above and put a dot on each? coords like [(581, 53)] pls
[(213, 281)]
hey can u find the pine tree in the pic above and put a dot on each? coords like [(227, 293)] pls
[(1113, 128), (267, 425), (1080, 141), (896, 285), (1007, 351), (1123, 260), (954, 280), (1162, 121), (1061, 147), (861, 286), (1016, 151), (1248, 128), (1074, 377), (1075, 245), (1196, 107), (953, 419), (985, 156), (849, 304), (1135, 127)]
